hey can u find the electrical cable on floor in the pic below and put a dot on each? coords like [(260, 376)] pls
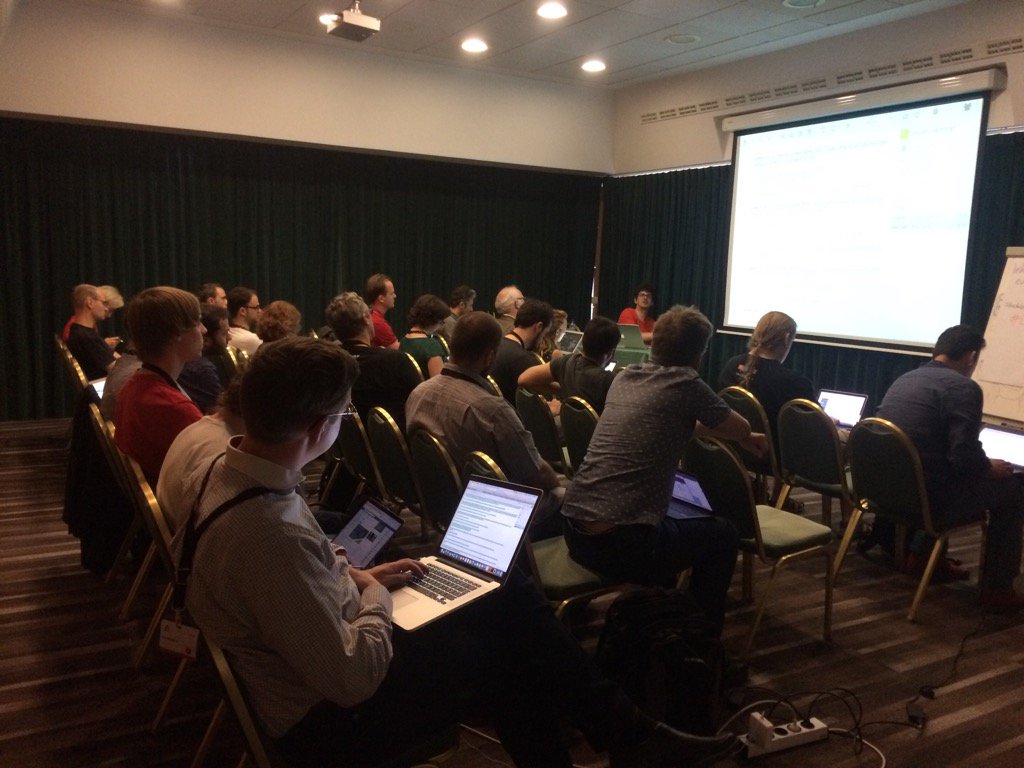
[(859, 740)]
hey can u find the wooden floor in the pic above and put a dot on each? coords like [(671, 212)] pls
[(70, 697)]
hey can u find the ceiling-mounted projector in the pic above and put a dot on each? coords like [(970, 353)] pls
[(352, 24)]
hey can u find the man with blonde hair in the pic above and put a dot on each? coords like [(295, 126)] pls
[(167, 332), (91, 351)]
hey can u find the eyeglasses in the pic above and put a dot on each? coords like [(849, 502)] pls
[(645, 295), (520, 300), (347, 413), (253, 306)]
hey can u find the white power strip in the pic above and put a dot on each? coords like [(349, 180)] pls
[(765, 737)]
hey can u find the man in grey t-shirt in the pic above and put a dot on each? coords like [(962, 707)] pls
[(616, 506)]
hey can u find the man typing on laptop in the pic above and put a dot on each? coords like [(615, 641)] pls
[(310, 637)]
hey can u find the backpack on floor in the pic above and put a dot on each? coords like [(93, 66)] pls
[(663, 651)]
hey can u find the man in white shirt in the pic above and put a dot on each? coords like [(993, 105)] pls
[(243, 312)]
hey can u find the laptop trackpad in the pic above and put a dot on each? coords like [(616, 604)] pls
[(402, 598)]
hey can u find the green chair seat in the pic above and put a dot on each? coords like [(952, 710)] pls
[(561, 576), (783, 532)]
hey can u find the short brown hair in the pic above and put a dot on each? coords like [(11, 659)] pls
[(680, 336), (278, 320), (475, 334), (428, 310), (157, 315), (375, 286), (346, 314), (277, 405)]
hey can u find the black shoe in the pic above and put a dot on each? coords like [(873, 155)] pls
[(668, 748)]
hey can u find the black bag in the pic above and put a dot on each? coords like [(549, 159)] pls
[(663, 651)]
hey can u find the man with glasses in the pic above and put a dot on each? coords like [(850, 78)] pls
[(243, 310), (506, 306), (642, 312), (91, 351)]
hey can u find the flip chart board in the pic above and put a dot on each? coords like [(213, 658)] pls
[(1000, 371)]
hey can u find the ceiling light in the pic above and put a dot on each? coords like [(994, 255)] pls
[(592, 65), (474, 45), (682, 39), (800, 4), (552, 11), (329, 18)]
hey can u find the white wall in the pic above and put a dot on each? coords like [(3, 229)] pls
[(97, 62), (697, 139)]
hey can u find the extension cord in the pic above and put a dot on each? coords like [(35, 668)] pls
[(765, 738)]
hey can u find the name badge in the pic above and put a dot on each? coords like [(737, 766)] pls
[(179, 639)]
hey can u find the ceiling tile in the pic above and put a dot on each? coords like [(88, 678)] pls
[(853, 11), (742, 19), (251, 12), (601, 31), (676, 11)]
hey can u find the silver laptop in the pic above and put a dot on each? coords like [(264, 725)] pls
[(688, 499), (845, 408), (631, 338), (476, 554), (1005, 444), (367, 532), (570, 341)]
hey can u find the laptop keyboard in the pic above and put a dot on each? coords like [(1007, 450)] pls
[(442, 585)]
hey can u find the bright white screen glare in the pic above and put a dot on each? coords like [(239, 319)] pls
[(856, 227)]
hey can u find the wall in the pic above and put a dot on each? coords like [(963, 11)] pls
[(96, 62), (697, 139)]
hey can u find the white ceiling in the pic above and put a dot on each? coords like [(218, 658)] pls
[(629, 35)]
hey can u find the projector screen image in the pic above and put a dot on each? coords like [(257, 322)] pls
[(857, 227)]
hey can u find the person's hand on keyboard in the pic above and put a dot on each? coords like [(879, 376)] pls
[(397, 574)]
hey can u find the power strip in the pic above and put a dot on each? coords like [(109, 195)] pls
[(765, 737)]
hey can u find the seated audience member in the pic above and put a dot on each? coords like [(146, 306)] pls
[(582, 374), (167, 332), (616, 506), (386, 376), (642, 311), (460, 409), (215, 346), (518, 350), (201, 378), (94, 354), (212, 294), (193, 450), (939, 407), (380, 297), (314, 646), (548, 346), (506, 305), (460, 302), (278, 320), (761, 371), (425, 318), (243, 314), (112, 300), (124, 368)]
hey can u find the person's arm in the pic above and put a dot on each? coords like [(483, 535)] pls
[(434, 365), (540, 378), (647, 338), (393, 345), (961, 412), (737, 429), (516, 452)]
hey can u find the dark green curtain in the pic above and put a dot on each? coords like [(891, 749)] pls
[(134, 208), (672, 229)]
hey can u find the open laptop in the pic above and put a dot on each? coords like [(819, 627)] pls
[(367, 532), (98, 385), (631, 338), (846, 408), (688, 498), (476, 553), (1005, 444), (569, 341)]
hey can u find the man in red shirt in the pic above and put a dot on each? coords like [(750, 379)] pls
[(152, 409), (643, 313), (380, 297)]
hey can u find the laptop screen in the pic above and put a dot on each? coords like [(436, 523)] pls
[(488, 525), (1003, 444), (631, 338), (367, 533), (686, 489), (569, 340), (844, 407)]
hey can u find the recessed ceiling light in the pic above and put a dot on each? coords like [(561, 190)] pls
[(474, 45), (328, 18), (682, 39), (802, 3), (592, 65), (552, 11)]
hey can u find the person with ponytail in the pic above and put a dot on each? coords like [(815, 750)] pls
[(761, 371)]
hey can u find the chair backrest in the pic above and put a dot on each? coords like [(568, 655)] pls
[(810, 454), (746, 405), (238, 357), (479, 463), (537, 418), (444, 343), (438, 477), (355, 450), (494, 385), (887, 474), (239, 705), (579, 421), (415, 365), (152, 515), (393, 459), (74, 370), (726, 483)]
